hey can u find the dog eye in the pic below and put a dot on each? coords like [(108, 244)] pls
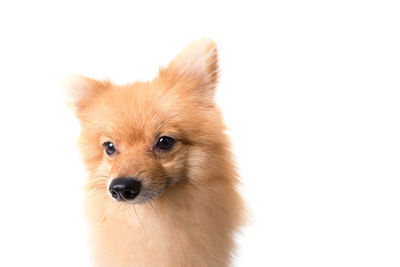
[(109, 148), (165, 142)]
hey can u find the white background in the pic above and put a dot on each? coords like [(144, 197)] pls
[(309, 90)]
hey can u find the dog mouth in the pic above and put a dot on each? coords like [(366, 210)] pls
[(146, 196), (135, 191)]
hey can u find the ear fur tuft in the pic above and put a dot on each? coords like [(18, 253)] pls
[(78, 90), (196, 64)]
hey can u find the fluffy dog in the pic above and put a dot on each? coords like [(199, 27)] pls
[(161, 189)]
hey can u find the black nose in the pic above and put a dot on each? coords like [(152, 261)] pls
[(125, 188)]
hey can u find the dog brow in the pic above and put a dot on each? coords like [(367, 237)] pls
[(97, 126)]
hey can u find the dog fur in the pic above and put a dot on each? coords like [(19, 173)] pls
[(193, 208)]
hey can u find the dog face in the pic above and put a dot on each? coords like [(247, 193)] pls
[(140, 139)]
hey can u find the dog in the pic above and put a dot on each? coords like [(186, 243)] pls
[(162, 185)]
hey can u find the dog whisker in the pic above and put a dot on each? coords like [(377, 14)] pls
[(137, 216)]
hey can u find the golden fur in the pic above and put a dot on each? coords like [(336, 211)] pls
[(195, 210)]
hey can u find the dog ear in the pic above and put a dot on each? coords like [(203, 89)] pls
[(79, 90), (195, 68)]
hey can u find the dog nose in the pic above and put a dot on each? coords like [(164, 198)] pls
[(125, 188)]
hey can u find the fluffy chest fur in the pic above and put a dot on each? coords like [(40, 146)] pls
[(186, 227)]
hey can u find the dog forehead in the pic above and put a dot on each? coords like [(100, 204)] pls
[(135, 111), (144, 97)]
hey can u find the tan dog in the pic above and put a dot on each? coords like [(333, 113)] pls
[(162, 185)]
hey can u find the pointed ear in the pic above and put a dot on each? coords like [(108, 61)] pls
[(195, 68), (79, 90)]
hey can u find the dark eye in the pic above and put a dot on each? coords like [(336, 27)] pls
[(165, 142), (109, 148)]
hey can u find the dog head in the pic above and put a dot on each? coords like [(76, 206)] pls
[(140, 139)]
